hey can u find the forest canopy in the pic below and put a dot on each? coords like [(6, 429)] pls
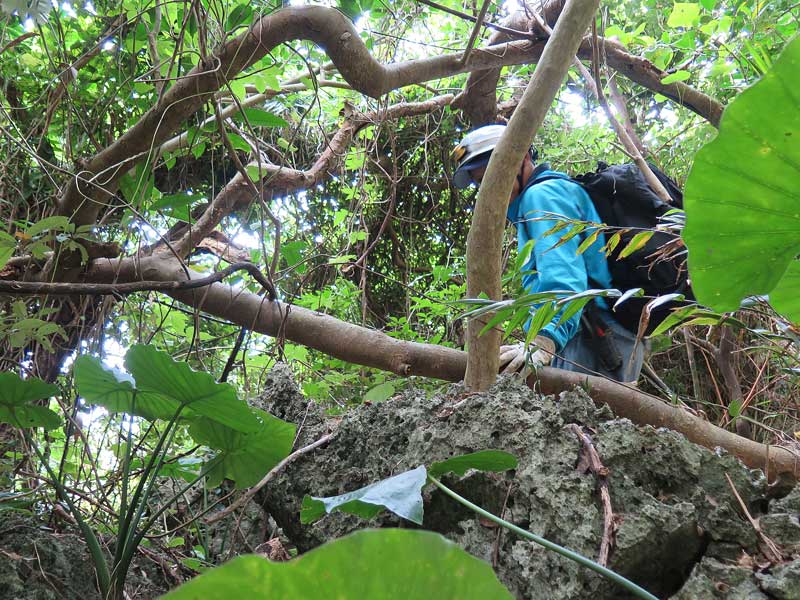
[(194, 192)]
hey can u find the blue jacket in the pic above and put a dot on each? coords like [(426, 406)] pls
[(533, 213)]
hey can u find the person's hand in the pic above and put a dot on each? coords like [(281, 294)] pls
[(513, 358)]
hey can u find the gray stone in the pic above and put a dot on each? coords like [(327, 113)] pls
[(670, 497)]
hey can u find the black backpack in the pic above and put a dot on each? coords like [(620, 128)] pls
[(623, 199)]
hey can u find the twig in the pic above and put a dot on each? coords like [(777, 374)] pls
[(771, 546), (590, 461), (248, 495), (119, 289), (622, 134), (692, 366), (475, 31), (496, 550), (468, 17)]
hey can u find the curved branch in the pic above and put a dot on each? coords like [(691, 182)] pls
[(372, 348), (479, 97), (97, 180), (237, 194)]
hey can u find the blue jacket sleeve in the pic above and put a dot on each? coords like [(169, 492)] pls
[(558, 268)]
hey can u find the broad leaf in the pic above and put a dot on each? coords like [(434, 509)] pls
[(114, 390), (258, 117), (7, 246), (485, 460), (163, 388), (158, 376), (742, 221), (683, 14), (379, 393), (16, 394), (244, 457), (401, 494), (383, 564)]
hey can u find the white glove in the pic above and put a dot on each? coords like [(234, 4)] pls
[(517, 359)]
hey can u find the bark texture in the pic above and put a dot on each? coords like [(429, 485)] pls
[(484, 244)]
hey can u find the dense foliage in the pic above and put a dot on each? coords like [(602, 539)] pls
[(348, 210)]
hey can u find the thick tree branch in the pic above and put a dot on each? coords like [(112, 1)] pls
[(35, 288), (485, 235), (97, 179), (372, 348), (479, 97)]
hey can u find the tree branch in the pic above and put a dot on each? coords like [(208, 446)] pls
[(372, 348), (237, 194), (35, 288), (98, 177)]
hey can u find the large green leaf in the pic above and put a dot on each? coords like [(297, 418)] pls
[(16, 394), (162, 387), (742, 196), (157, 375), (401, 494), (381, 564), (244, 457), (485, 460), (114, 390)]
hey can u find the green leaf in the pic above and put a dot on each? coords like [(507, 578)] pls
[(383, 564), (7, 246), (636, 243), (785, 298), (741, 198), (15, 397), (240, 14), (484, 460), (380, 392), (680, 75), (245, 457), (339, 216), (683, 14), (258, 117), (590, 239), (340, 260), (158, 375), (524, 255), (162, 387), (56, 223), (266, 79), (15, 391), (401, 494), (292, 252), (114, 390)]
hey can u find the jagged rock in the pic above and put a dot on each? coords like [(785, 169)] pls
[(679, 522), (37, 563), (40, 563), (782, 582)]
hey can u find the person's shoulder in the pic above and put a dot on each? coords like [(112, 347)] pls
[(555, 183)]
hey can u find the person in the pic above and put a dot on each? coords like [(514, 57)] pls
[(591, 341)]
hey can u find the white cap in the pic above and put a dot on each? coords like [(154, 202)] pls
[(474, 151)]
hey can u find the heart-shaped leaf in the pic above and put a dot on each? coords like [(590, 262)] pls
[(244, 457), (383, 564), (741, 198), (16, 394), (401, 494)]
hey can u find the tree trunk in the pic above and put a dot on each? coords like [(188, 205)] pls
[(485, 236)]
